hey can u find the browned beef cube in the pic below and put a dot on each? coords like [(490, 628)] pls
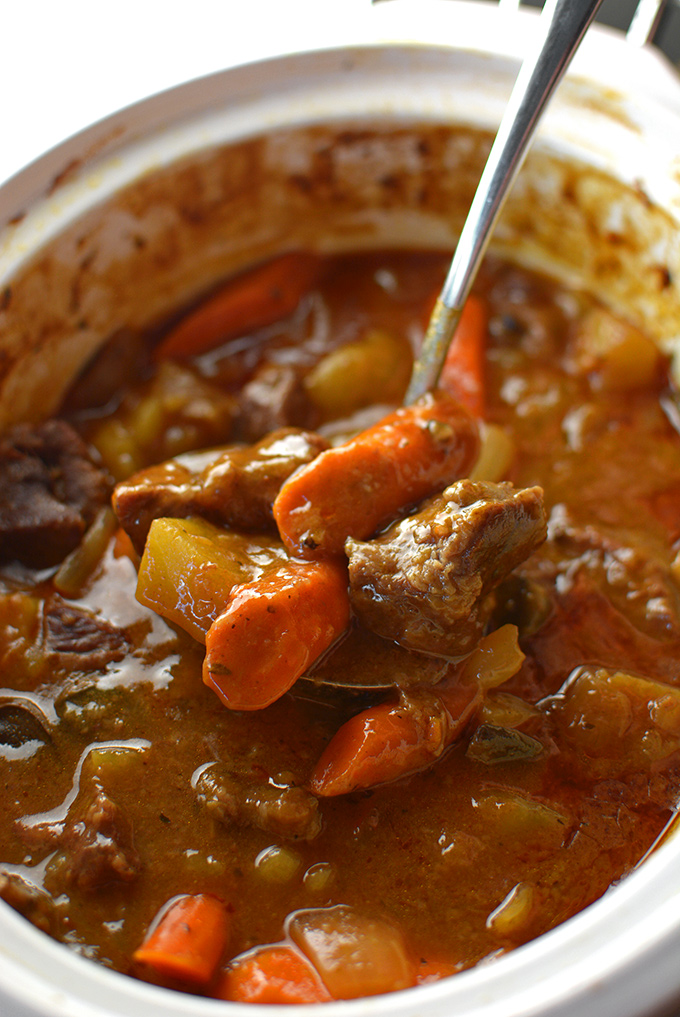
[(232, 487), (77, 639), (92, 843), (98, 849), (425, 580), (50, 490), (29, 899), (281, 809), (273, 398)]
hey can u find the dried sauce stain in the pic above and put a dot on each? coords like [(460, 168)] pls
[(606, 102), (72, 168), (664, 275), (172, 234)]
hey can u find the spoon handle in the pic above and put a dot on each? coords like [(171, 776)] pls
[(565, 23)]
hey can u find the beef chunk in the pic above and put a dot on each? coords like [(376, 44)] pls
[(22, 723), (77, 639), (273, 398), (283, 810), (424, 581), (99, 849), (234, 487), (50, 490), (635, 572), (29, 900), (93, 844), (585, 628)]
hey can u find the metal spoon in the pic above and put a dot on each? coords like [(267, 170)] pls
[(563, 24)]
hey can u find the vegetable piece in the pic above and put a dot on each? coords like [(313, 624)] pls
[(355, 955), (272, 630), (372, 369), (506, 710), (513, 914), (391, 740), (277, 864), (617, 723), (189, 568), (356, 488), (175, 412), (491, 744), (187, 941), (123, 547), (117, 447), (617, 355), (496, 455), (272, 974), (75, 571), (495, 659), (463, 371), (253, 299), (527, 826)]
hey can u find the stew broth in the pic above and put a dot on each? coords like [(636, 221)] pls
[(560, 780)]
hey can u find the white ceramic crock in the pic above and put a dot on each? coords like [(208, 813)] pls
[(369, 138)]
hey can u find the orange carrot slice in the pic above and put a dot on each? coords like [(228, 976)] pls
[(391, 740), (272, 974), (256, 298), (188, 940), (356, 488), (463, 373), (273, 629)]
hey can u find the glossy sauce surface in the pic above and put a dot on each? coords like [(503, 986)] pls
[(506, 835)]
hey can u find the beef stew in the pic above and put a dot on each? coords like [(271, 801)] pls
[(482, 733)]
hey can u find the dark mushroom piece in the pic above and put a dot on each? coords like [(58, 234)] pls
[(23, 725)]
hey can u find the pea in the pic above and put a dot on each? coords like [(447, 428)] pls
[(318, 877), (277, 864), (514, 911)]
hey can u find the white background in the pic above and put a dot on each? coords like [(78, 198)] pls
[(66, 63)]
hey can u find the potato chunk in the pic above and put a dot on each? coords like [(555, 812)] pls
[(354, 954), (616, 354), (189, 568), (618, 723)]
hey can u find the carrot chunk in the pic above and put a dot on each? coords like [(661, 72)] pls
[(430, 970), (356, 488), (391, 740), (272, 630), (463, 373), (256, 298), (123, 547), (187, 941), (272, 974)]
